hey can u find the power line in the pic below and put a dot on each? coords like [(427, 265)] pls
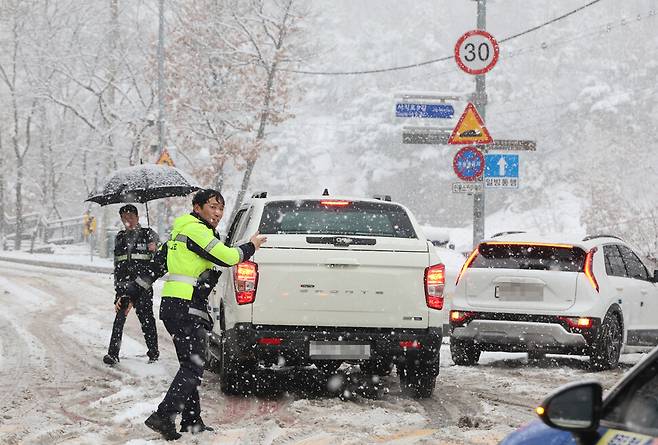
[(440, 59), (528, 31)]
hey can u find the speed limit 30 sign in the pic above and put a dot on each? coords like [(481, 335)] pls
[(476, 52)]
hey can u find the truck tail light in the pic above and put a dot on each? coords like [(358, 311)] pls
[(410, 344), (435, 280), (246, 281), (467, 263), (589, 269), (269, 341)]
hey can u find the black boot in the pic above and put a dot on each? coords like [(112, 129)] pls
[(162, 425), (110, 360), (153, 356), (195, 427)]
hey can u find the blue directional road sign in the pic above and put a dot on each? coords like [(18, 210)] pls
[(501, 171), (435, 111)]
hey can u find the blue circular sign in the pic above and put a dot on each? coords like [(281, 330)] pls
[(468, 164)]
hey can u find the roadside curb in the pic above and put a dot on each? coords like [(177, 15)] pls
[(55, 264)]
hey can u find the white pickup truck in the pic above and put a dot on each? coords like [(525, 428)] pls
[(339, 280)]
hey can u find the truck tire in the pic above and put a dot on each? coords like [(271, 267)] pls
[(235, 377), (417, 380), (228, 375), (464, 353), (606, 348)]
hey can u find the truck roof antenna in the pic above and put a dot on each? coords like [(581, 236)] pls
[(326, 192)]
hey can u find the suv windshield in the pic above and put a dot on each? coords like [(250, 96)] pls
[(530, 256), (336, 218)]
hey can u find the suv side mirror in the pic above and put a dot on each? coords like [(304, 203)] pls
[(575, 407), (655, 276)]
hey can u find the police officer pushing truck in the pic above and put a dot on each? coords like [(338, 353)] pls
[(190, 257), (134, 248)]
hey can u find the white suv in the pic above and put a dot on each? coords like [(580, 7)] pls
[(340, 279), (540, 295)]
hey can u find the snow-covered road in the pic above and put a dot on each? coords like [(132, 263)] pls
[(54, 329)]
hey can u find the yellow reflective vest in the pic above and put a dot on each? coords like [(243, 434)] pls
[(184, 265)]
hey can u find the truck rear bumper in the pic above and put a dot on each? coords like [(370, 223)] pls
[(304, 345)]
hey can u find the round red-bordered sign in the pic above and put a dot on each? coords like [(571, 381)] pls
[(468, 163), (476, 52)]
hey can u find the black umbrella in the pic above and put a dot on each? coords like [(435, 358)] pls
[(143, 183)]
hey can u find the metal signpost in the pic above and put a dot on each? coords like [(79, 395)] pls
[(476, 53)]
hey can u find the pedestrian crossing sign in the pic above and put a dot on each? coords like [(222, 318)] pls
[(470, 129), (165, 158)]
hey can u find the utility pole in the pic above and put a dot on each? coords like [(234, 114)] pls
[(480, 102), (161, 127), (162, 213), (110, 163)]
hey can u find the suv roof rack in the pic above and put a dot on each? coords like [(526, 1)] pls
[(259, 195), (383, 197), (509, 232), (601, 235)]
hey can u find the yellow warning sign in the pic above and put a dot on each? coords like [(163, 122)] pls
[(165, 158), (470, 129)]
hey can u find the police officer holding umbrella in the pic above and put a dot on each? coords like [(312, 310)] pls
[(191, 255), (133, 250)]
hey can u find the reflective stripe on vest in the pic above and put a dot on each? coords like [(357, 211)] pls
[(183, 239), (182, 278), (134, 256)]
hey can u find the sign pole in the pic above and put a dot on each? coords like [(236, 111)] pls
[(480, 101)]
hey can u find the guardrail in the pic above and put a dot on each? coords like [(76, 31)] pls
[(37, 228)]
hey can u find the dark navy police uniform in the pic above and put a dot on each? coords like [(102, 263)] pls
[(132, 260)]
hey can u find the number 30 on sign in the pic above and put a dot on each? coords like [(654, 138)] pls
[(476, 52)]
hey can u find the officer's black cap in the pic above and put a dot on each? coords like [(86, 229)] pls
[(128, 208), (204, 195)]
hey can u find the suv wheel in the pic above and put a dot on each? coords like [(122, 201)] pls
[(417, 380), (464, 353), (605, 351)]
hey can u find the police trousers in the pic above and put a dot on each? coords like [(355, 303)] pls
[(144, 310), (190, 339)]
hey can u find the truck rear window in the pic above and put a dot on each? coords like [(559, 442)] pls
[(530, 256), (344, 218)]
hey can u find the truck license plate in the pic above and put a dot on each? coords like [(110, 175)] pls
[(330, 350)]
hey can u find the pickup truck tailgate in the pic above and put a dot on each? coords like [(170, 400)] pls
[(341, 287)]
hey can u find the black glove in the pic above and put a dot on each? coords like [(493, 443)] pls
[(208, 280), (124, 299)]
